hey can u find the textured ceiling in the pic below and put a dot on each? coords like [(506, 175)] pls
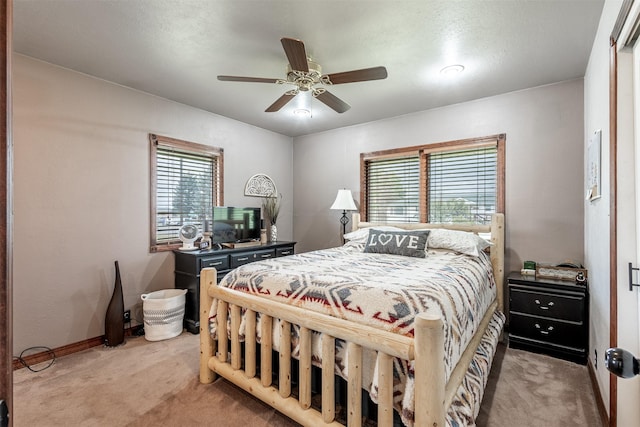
[(175, 49)]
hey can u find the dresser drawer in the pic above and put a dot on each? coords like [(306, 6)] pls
[(288, 250), (548, 330), (540, 303), (266, 254), (246, 257), (217, 262)]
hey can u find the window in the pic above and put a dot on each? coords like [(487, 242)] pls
[(450, 182), (186, 182)]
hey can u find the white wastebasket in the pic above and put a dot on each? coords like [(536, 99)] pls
[(163, 313)]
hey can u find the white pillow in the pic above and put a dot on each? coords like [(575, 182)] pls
[(362, 234), (459, 241)]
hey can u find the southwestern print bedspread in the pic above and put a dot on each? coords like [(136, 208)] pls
[(379, 290)]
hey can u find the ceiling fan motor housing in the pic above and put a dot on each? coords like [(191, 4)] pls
[(305, 81)]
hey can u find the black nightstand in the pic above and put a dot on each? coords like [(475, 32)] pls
[(549, 316)]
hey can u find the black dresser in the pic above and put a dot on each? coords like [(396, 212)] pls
[(549, 316), (189, 264)]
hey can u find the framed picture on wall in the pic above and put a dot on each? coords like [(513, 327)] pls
[(593, 172)]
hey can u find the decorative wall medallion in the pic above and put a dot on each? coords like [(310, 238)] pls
[(260, 185)]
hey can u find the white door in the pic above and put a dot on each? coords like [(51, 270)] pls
[(628, 227), (636, 140), (635, 316)]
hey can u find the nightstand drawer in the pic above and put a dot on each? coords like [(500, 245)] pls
[(563, 307), (217, 262), (547, 330)]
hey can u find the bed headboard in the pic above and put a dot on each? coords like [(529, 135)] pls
[(496, 228)]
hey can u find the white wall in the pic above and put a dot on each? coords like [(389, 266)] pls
[(544, 167), (81, 194)]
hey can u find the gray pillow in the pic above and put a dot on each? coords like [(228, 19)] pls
[(407, 243)]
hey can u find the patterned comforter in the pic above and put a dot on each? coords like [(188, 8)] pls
[(379, 290)]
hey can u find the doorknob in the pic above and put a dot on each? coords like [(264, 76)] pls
[(621, 362)]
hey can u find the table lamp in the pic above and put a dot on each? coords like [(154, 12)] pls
[(344, 202)]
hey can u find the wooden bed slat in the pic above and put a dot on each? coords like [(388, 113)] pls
[(328, 379), (266, 345), (236, 349), (250, 344), (304, 387), (285, 359), (385, 389), (354, 389), (222, 330)]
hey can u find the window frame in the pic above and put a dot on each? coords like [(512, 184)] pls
[(165, 142), (423, 152)]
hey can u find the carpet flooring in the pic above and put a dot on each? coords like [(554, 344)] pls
[(142, 383)]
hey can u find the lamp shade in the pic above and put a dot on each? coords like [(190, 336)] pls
[(344, 201)]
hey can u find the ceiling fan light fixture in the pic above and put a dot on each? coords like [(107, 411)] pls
[(302, 112), (451, 70), (302, 104)]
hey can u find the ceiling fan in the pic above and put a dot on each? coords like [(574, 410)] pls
[(306, 76)]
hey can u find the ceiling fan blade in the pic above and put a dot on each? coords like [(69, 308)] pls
[(246, 79), (375, 73), (333, 102), (296, 54), (280, 102)]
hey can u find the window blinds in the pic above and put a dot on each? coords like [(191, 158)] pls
[(462, 185), (185, 190), (393, 189)]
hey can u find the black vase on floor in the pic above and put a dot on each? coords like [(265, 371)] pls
[(114, 319)]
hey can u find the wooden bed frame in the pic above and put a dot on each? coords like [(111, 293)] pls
[(432, 395)]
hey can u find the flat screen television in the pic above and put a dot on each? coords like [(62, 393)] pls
[(235, 224)]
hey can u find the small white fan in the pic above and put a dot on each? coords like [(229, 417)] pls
[(188, 234)]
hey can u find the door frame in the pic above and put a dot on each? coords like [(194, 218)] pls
[(6, 169)]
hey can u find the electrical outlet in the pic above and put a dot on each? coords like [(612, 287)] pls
[(127, 316)]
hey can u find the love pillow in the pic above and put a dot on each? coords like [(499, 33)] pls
[(406, 243)]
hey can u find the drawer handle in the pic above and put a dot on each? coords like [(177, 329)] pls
[(265, 256), (542, 307), (243, 259), (285, 252), (213, 264), (539, 328)]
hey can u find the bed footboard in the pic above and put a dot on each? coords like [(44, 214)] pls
[(432, 395)]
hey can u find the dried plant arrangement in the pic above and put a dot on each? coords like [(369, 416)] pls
[(271, 208)]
